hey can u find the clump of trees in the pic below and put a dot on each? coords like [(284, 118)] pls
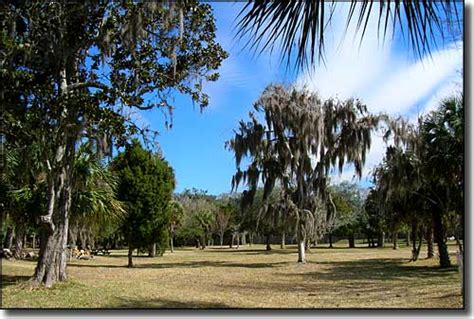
[(56, 94), (422, 185)]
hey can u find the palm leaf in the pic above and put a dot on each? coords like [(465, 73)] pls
[(302, 24)]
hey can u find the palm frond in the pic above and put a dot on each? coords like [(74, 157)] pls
[(302, 24)]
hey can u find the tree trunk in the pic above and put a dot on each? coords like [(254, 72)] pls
[(203, 242), (418, 249), (152, 250), (222, 239), (171, 243), (408, 238), (330, 239), (250, 239), (51, 266), (72, 237), (444, 261), (19, 240), (244, 238), (269, 247), (82, 239), (381, 240), (33, 241), (130, 257), (238, 240), (351, 240), (307, 245), (282, 245), (9, 238), (413, 241), (301, 252), (395, 240), (231, 244), (429, 242)]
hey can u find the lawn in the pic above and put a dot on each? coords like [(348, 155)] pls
[(245, 278)]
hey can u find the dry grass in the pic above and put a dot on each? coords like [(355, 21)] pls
[(244, 278)]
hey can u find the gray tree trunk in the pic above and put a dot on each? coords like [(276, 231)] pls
[(244, 238), (395, 240), (130, 257), (152, 250), (221, 239), (283, 244), (381, 240), (33, 241), (171, 243), (301, 251), (9, 238), (19, 240), (51, 266), (429, 242)]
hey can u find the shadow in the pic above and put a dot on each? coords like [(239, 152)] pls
[(376, 269), (166, 304), (13, 280), (194, 264)]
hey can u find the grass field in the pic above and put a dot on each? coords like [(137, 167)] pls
[(244, 278)]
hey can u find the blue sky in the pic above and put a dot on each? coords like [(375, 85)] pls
[(384, 76)]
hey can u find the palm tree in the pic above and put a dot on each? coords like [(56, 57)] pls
[(95, 210), (301, 25), (442, 156)]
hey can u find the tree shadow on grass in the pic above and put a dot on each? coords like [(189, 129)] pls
[(13, 280), (162, 303), (193, 264), (377, 269), (253, 251)]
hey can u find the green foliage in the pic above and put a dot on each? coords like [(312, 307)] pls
[(349, 208), (146, 184), (199, 215), (94, 203)]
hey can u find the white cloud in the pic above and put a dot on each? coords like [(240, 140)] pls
[(443, 92), (405, 85), (382, 79)]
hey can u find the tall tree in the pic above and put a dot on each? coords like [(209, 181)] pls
[(223, 217), (301, 139), (348, 202), (146, 184), (426, 179), (78, 67), (176, 211), (442, 158)]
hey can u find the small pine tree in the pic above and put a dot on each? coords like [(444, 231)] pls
[(146, 183)]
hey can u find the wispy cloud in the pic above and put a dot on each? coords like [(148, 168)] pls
[(407, 84), (382, 78)]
